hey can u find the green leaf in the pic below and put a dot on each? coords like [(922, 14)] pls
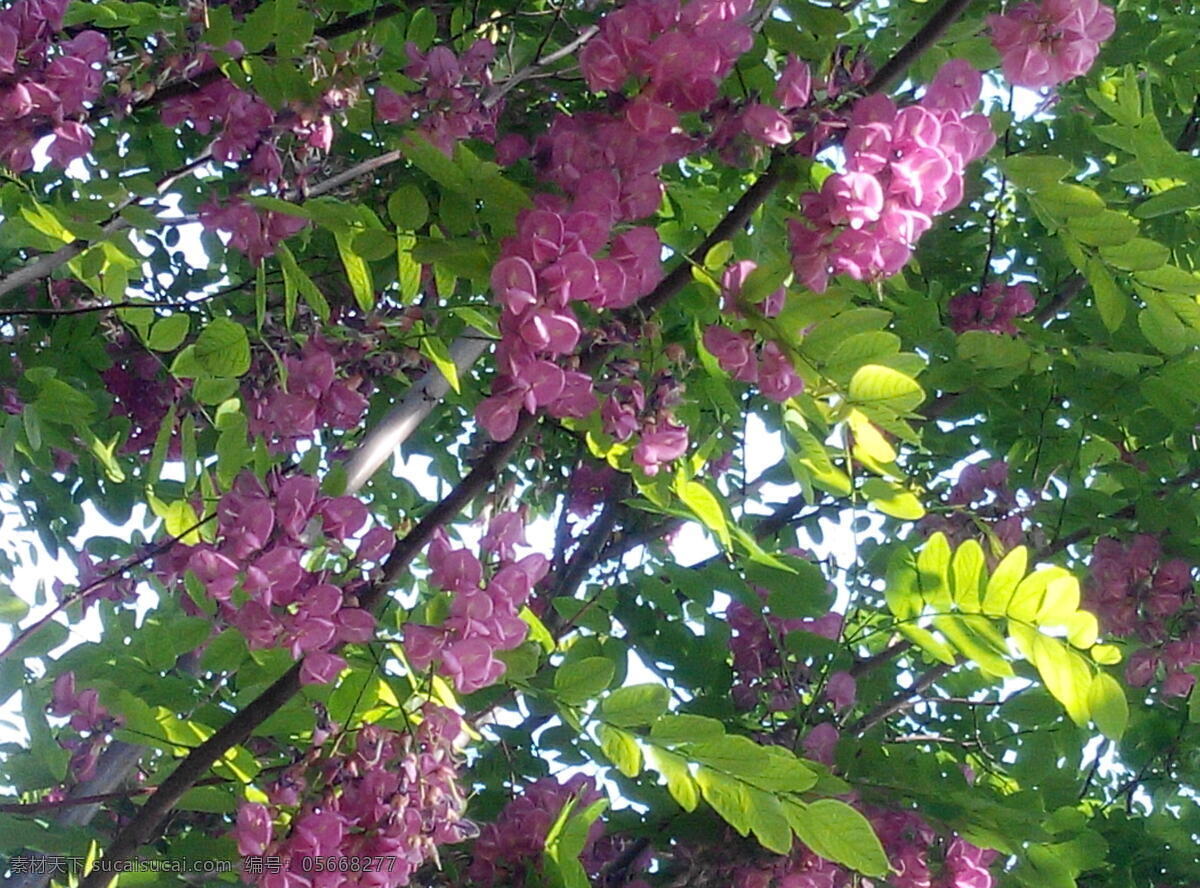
[(1069, 200), (1060, 602), (1111, 301), (893, 499), (733, 754), (222, 348), (839, 833), (705, 505), (1082, 629), (967, 575), (408, 208), (1003, 582), (933, 572), (621, 748), (13, 608), (677, 728), (1138, 254), (1106, 229), (1065, 674), (928, 642), (408, 270), (1107, 703), (877, 386), (1034, 171), (422, 28), (637, 704), (434, 348), (577, 682), (730, 798), (358, 273), (674, 770), (566, 840), (768, 822), (976, 640), (168, 333), (1170, 202), (296, 279), (902, 588)]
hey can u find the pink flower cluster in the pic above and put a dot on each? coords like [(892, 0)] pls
[(903, 166), (253, 231), (508, 849), (737, 352), (255, 571), (607, 165), (250, 132), (1139, 594), (762, 667), (1048, 43), (627, 411), (484, 617), (993, 309), (47, 84), (983, 497), (447, 106), (143, 393), (316, 394), (679, 53), (909, 843), (87, 718), (248, 129), (395, 797)]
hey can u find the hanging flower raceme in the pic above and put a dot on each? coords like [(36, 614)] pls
[(484, 616), (571, 250), (144, 393), (90, 723), (321, 391), (260, 575), (387, 805), (48, 83), (988, 510), (278, 149), (738, 353), (1048, 43), (918, 855), (446, 104), (903, 167), (1138, 594), (993, 309), (506, 850), (763, 671)]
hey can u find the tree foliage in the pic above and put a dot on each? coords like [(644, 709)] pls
[(654, 444)]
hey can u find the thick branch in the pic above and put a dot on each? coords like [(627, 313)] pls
[(942, 19)]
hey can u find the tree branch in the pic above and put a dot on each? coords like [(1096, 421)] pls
[(1126, 512), (903, 700)]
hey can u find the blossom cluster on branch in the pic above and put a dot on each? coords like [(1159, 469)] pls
[(394, 797), (47, 83), (258, 572), (484, 617), (1139, 594), (1048, 43), (903, 167)]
